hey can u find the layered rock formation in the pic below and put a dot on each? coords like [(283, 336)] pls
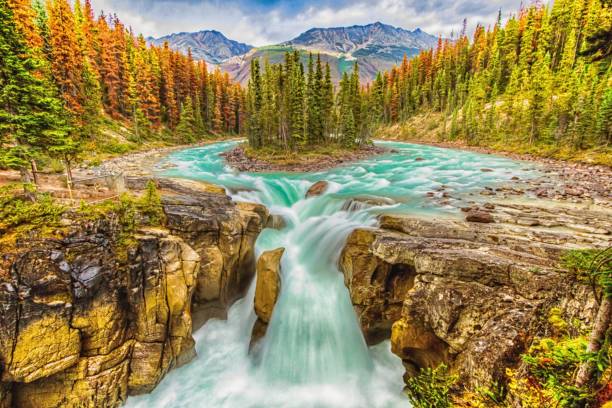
[(92, 315), (470, 295)]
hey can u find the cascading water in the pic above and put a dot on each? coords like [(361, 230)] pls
[(313, 354)]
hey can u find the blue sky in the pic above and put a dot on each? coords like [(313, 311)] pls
[(261, 22)]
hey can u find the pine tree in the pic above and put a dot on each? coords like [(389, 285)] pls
[(327, 102), (311, 117), (297, 101), (31, 116), (538, 79), (255, 104), (25, 17), (66, 58), (187, 128), (109, 69), (377, 104)]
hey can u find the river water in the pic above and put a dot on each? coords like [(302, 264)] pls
[(313, 354)]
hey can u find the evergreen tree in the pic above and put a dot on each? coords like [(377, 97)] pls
[(540, 79), (31, 116), (255, 104), (187, 129), (101, 68), (297, 101), (66, 58), (327, 102)]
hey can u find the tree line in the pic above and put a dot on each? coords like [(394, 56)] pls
[(293, 108), (542, 78), (63, 72)]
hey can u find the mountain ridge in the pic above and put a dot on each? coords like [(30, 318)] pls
[(209, 45), (350, 38), (375, 47)]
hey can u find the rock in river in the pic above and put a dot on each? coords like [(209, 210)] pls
[(317, 189), (266, 290)]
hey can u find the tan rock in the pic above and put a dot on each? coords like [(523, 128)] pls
[(317, 189), (267, 290), (211, 275), (268, 283), (150, 362), (276, 221), (92, 317), (479, 216), (44, 347), (163, 324), (464, 294), (99, 381), (377, 287), (101, 324)]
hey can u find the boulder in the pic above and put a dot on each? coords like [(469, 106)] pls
[(361, 202), (477, 215), (276, 221), (317, 189)]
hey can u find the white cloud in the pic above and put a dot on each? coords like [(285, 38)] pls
[(259, 25)]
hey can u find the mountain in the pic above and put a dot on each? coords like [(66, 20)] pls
[(376, 47), (208, 45), (376, 40)]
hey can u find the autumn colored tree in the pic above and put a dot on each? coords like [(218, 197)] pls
[(25, 17), (66, 57)]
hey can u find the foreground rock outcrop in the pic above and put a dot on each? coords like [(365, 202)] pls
[(92, 315), (468, 294)]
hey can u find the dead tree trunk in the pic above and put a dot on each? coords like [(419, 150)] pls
[(34, 171), (596, 339), (26, 180)]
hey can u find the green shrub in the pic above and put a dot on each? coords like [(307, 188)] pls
[(553, 364), (591, 265), (129, 210), (150, 204), (431, 388), (16, 209), (21, 213), (114, 147), (56, 166)]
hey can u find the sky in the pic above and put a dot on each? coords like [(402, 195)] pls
[(265, 22)]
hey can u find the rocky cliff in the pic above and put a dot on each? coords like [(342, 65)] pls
[(90, 316), (470, 295)]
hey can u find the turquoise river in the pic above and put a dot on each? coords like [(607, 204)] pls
[(313, 354)]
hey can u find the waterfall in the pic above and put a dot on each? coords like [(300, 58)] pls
[(313, 353)]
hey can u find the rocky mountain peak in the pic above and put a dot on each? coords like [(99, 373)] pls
[(209, 45)]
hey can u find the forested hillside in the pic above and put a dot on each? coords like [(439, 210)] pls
[(541, 83), (67, 77)]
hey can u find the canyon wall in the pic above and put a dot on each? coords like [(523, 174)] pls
[(91, 316), (469, 295)]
